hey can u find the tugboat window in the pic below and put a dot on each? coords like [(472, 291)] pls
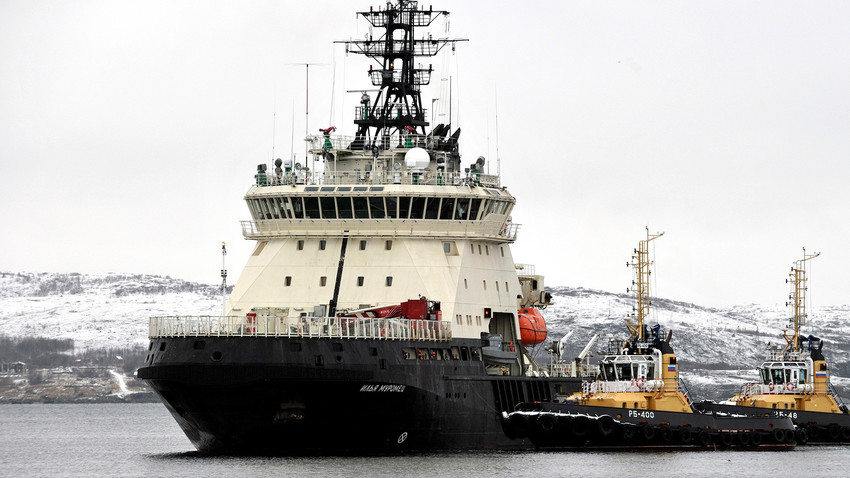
[(300, 244), (389, 245), (360, 280), (322, 244), (288, 281), (389, 281), (363, 245), (323, 281)]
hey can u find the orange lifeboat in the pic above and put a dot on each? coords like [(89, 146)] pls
[(532, 327)]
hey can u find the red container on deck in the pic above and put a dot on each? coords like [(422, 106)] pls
[(415, 309)]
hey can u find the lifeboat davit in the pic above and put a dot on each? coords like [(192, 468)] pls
[(532, 327)]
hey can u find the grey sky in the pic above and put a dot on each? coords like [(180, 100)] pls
[(129, 132)]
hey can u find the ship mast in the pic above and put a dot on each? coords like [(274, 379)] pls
[(640, 265), (797, 300), (397, 108)]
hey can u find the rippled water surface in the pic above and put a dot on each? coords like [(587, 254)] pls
[(143, 440)]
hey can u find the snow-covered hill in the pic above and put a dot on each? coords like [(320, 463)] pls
[(99, 310), (718, 348)]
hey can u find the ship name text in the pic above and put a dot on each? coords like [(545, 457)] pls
[(382, 388)]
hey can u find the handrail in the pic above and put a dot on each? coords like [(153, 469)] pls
[(434, 228), (311, 327)]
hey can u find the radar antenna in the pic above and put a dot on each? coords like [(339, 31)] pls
[(397, 107)]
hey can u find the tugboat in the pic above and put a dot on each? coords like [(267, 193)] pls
[(794, 380), (381, 309), (637, 398)]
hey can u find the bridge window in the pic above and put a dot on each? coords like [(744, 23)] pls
[(297, 208), (392, 207), (300, 245), (474, 207), (311, 208), (287, 281), (447, 209), (389, 281), (328, 208), (361, 208), (432, 209), (360, 280), (462, 209), (403, 207), (377, 207), (417, 208), (363, 245), (389, 245), (323, 281), (344, 208), (322, 244)]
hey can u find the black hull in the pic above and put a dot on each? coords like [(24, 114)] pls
[(571, 426), (820, 427), (266, 395)]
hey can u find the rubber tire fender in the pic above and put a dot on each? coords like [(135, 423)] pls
[(802, 436), (605, 426), (580, 426), (704, 437), (647, 432), (547, 424)]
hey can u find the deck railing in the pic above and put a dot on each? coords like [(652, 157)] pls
[(790, 388), (310, 327)]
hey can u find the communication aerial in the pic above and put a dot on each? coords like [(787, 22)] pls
[(397, 107)]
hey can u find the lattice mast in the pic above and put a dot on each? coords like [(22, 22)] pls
[(640, 264), (398, 105), (797, 301)]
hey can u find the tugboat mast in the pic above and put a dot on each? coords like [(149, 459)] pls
[(797, 300), (640, 264)]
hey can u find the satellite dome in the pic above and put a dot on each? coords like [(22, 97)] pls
[(417, 158)]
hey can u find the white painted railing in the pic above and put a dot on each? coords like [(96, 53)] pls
[(600, 386), (313, 327), (790, 388)]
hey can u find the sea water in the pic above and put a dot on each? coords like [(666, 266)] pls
[(143, 440)]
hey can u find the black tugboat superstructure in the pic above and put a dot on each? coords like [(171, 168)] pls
[(381, 309)]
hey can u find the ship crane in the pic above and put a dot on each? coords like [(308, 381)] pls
[(576, 366)]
